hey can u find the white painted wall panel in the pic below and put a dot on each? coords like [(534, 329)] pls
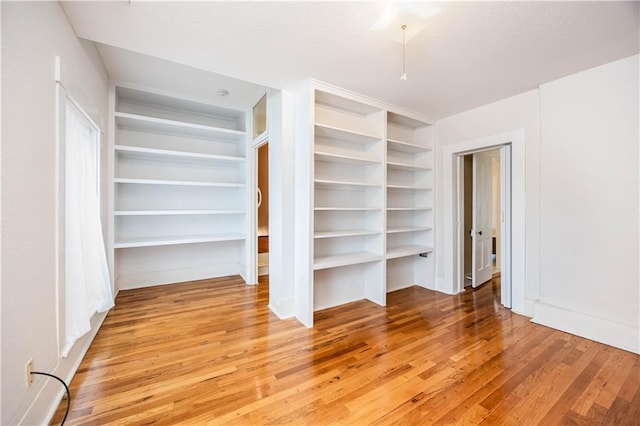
[(589, 199), (32, 35)]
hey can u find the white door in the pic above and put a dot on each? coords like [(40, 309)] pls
[(481, 233)]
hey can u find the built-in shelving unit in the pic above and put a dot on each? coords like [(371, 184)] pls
[(409, 202), (364, 187), (341, 235), (179, 197)]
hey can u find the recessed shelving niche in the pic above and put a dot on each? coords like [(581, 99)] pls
[(179, 189)]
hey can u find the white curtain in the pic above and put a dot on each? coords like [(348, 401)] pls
[(87, 284)]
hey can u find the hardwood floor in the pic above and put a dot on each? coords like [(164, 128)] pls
[(210, 352)]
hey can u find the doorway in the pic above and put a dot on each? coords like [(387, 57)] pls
[(262, 188), (512, 161), (479, 237), (482, 224)]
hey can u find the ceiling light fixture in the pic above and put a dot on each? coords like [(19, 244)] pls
[(413, 14), (403, 76)]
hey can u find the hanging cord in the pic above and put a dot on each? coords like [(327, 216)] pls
[(403, 76), (65, 388), (404, 47)]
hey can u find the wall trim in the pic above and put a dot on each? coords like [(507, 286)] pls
[(621, 335), (282, 307), (147, 279)]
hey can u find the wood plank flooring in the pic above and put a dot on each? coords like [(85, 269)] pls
[(210, 352)]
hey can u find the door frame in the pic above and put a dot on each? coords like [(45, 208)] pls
[(251, 155), (513, 269)]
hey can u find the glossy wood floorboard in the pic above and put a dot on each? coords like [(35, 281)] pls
[(210, 352)]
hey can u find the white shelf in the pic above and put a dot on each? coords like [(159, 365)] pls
[(160, 125), (337, 184), (398, 145), (406, 166), (169, 104), (409, 187), (394, 118), (403, 251), (345, 259), (398, 229), (165, 241), (342, 103), (341, 158), (153, 153), (344, 134), (399, 209), (345, 233), (178, 183), (173, 212), (348, 209)]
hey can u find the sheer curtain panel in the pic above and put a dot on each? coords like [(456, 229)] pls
[(87, 283)]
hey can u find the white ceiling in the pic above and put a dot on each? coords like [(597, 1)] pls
[(171, 77), (469, 54)]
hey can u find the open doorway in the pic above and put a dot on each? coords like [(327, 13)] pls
[(512, 191), (484, 209), (262, 161), (259, 244), (482, 217)]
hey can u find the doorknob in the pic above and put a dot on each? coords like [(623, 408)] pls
[(259, 197)]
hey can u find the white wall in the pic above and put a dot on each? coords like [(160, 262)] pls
[(589, 281), (519, 112), (1, 221), (32, 35)]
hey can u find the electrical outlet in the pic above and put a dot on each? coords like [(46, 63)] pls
[(28, 369)]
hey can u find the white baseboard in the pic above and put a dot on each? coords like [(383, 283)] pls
[(46, 402), (620, 335), (528, 308), (400, 286), (443, 287), (428, 286), (281, 306), (148, 279)]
